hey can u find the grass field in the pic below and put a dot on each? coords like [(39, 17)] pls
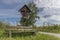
[(37, 36)]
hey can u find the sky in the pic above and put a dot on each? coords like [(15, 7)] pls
[(49, 11)]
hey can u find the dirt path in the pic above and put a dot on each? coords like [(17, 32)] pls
[(53, 34)]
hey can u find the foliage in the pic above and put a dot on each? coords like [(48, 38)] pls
[(32, 16), (53, 28)]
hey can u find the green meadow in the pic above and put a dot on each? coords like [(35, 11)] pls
[(29, 36)]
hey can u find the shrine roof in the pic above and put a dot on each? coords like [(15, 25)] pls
[(24, 7)]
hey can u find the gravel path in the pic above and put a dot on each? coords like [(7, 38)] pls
[(53, 34)]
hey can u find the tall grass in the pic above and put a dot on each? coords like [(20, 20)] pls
[(2, 27), (37, 36)]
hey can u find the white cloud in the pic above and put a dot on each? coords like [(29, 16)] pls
[(43, 3), (55, 17), (48, 3), (56, 4)]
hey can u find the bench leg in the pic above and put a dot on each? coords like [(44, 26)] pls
[(10, 34)]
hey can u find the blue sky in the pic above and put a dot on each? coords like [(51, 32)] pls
[(49, 11)]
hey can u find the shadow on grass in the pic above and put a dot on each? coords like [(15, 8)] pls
[(21, 34)]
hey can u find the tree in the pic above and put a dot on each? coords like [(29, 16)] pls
[(32, 17)]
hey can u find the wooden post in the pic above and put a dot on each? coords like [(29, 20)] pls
[(10, 34)]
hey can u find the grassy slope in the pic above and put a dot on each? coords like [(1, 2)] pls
[(32, 37)]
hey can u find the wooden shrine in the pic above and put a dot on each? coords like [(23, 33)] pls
[(25, 11)]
